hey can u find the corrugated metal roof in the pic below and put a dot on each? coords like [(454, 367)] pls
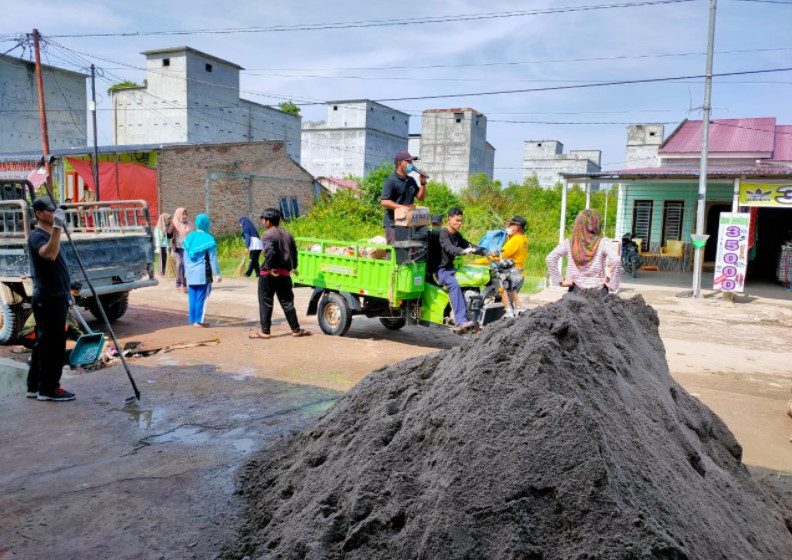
[(676, 172), (725, 136), (783, 143)]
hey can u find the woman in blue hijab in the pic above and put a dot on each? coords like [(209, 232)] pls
[(200, 267), (253, 245)]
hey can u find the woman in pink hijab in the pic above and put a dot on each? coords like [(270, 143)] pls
[(177, 232)]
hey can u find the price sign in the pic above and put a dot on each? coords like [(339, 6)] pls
[(732, 260)]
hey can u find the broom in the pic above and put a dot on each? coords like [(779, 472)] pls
[(241, 267)]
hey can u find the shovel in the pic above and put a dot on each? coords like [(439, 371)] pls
[(89, 346)]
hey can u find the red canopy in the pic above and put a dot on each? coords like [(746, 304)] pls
[(122, 181)]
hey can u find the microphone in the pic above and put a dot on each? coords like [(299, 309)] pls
[(421, 173)]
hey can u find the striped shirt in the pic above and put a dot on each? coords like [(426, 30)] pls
[(591, 275)]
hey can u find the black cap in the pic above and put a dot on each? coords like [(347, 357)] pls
[(518, 220), (402, 156), (43, 203)]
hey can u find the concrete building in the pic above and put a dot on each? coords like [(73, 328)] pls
[(192, 97), (643, 143), (355, 138), (453, 146), (414, 145), (65, 99), (546, 159)]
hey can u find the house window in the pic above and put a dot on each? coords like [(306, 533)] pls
[(166, 62), (673, 211), (208, 67), (289, 207), (642, 222), (458, 117)]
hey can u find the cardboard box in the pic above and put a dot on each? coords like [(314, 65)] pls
[(411, 217)]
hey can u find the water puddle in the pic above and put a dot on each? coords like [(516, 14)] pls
[(144, 418), (184, 434)]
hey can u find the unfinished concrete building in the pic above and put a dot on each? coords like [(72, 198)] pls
[(546, 159), (643, 142), (64, 95), (192, 97), (356, 137), (453, 146)]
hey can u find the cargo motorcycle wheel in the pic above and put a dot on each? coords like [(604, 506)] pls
[(334, 315), (392, 323)]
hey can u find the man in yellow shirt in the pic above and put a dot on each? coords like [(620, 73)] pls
[(516, 249)]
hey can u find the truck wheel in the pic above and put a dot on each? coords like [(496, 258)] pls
[(334, 314), (10, 322), (392, 323), (115, 305)]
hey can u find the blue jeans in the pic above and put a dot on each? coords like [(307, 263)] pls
[(447, 278)]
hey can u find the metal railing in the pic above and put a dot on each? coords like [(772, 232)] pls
[(14, 218), (111, 217), (114, 217)]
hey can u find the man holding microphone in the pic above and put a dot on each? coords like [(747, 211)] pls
[(400, 190)]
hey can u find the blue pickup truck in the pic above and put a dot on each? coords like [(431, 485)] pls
[(113, 238)]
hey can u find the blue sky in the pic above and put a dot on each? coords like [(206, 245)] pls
[(313, 60)]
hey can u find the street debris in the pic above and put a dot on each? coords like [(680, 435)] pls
[(557, 435)]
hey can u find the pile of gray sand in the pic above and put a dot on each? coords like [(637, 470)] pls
[(558, 435)]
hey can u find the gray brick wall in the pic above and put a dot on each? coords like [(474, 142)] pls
[(183, 172)]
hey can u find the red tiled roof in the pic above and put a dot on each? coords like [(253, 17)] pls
[(725, 135), (783, 143)]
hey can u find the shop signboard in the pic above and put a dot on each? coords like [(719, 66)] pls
[(732, 258), (777, 195)]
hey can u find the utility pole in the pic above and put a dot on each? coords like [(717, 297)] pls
[(699, 238), (42, 108), (95, 161)]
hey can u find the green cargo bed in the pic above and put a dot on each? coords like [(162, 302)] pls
[(342, 266)]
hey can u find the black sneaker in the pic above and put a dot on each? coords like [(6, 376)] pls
[(59, 394), (31, 394)]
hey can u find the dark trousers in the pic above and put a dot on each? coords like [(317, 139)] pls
[(268, 287), (46, 361), (163, 261), (254, 255), (178, 260), (390, 235)]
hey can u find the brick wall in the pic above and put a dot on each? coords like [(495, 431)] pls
[(183, 173)]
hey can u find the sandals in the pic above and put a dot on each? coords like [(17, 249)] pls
[(264, 336)]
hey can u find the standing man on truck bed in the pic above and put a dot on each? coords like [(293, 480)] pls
[(400, 190), (51, 285)]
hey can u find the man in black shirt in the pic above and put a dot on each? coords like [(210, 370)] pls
[(400, 190), (280, 260), (452, 244), (51, 285)]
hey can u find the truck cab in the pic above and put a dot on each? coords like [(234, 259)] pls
[(113, 238)]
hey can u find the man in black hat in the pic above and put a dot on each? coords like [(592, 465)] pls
[(400, 190), (51, 286)]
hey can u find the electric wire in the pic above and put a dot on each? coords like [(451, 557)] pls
[(391, 22)]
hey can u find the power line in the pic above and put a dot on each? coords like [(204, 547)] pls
[(514, 63), (391, 22), (580, 86), (767, 1)]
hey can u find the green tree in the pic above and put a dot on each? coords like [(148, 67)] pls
[(126, 84), (289, 107)]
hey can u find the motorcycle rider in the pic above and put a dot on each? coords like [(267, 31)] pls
[(452, 244)]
